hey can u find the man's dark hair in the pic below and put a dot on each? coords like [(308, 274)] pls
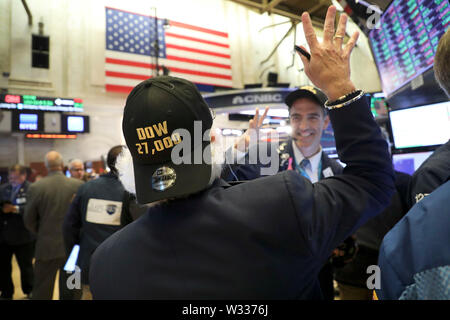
[(18, 168), (112, 156), (442, 63)]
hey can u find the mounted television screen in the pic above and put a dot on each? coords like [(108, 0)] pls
[(405, 43), (409, 162), (378, 104), (74, 124), (27, 121), (421, 126)]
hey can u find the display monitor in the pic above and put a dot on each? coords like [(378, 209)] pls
[(27, 121), (378, 104), (405, 41), (421, 126), (409, 162), (74, 124)]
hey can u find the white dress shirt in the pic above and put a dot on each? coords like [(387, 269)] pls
[(312, 170)]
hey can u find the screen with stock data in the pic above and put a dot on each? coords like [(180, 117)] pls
[(405, 43)]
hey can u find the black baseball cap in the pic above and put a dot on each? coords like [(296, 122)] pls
[(155, 111), (306, 92)]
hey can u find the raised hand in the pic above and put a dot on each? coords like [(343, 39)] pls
[(254, 124), (329, 67)]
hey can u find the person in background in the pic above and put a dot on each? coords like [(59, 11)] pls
[(414, 257), (76, 169), (95, 214), (267, 238), (47, 202), (15, 239), (302, 152)]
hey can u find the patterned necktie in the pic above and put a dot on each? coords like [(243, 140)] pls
[(302, 166)]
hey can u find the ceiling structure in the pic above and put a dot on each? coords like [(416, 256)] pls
[(290, 8), (294, 8)]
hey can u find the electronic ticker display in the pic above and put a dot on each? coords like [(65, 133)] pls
[(32, 102), (405, 43)]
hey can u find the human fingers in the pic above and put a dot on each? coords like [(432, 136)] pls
[(309, 32), (328, 26), (251, 124), (350, 44), (256, 118), (261, 120), (340, 32)]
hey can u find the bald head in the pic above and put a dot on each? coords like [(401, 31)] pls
[(54, 161), (442, 62)]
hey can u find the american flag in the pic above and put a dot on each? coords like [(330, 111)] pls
[(198, 54)]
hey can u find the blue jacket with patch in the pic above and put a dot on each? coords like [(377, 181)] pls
[(94, 215), (414, 257)]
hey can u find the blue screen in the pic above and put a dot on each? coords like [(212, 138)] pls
[(409, 162), (28, 121)]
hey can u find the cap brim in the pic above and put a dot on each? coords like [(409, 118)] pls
[(190, 178), (297, 94)]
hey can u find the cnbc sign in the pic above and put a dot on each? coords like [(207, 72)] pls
[(249, 97)]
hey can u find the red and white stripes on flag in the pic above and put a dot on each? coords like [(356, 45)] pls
[(198, 54)]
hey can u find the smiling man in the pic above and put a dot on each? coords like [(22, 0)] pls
[(301, 152), (308, 119)]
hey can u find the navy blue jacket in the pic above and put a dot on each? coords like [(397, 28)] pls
[(12, 228), (95, 214), (434, 172), (414, 257), (264, 239)]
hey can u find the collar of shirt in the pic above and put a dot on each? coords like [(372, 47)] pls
[(312, 172)]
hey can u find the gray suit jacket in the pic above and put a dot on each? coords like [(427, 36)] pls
[(47, 203)]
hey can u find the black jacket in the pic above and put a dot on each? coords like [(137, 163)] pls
[(371, 234), (12, 228), (263, 239)]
